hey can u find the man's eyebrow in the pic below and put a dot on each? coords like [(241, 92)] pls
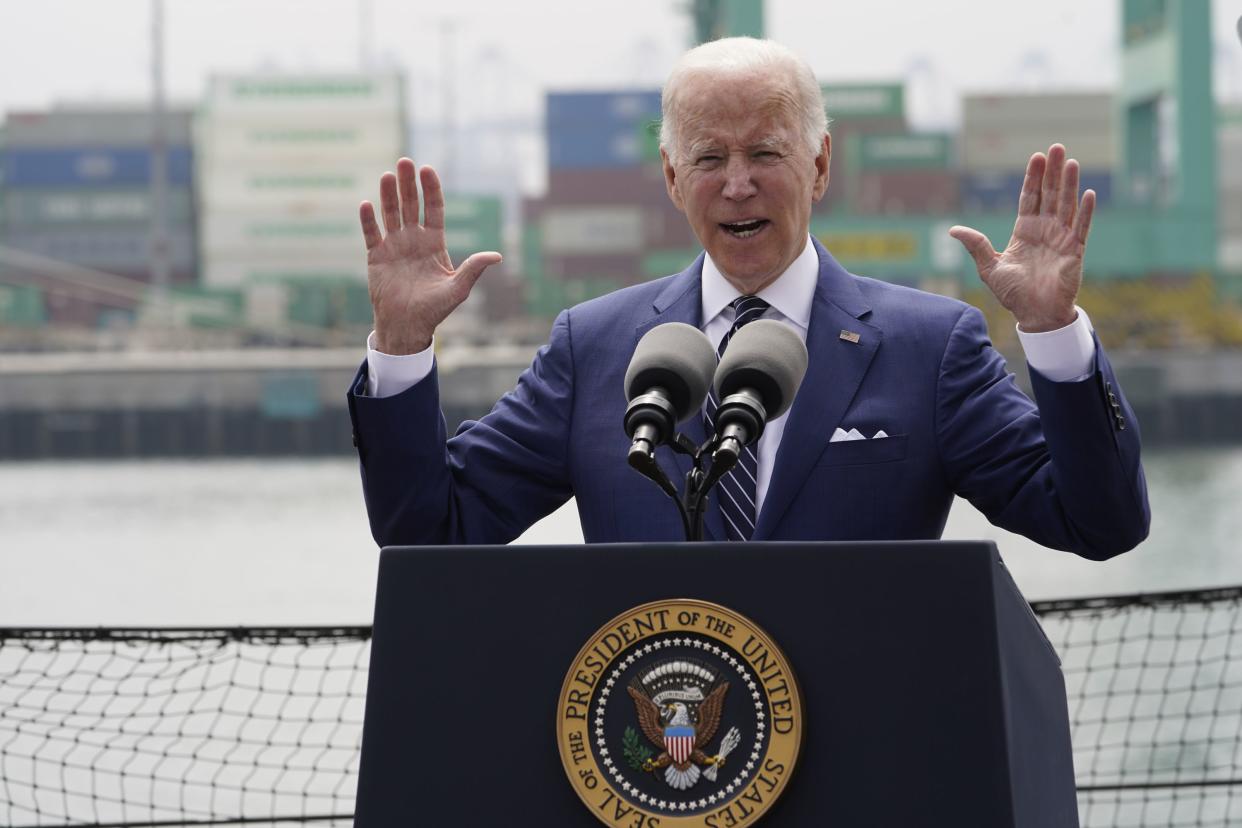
[(769, 142), (701, 146)]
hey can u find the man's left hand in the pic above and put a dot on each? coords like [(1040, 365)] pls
[(1038, 274)]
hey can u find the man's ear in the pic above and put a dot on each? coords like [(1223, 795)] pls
[(823, 162), (670, 180)]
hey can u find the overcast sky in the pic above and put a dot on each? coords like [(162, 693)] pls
[(506, 53)]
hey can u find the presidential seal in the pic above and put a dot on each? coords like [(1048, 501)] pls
[(679, 713)]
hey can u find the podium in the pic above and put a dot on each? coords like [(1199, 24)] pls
[(930, 695)]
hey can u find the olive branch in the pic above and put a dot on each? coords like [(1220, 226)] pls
[(635, 752)]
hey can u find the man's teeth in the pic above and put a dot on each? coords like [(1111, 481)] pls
[(744, 229)]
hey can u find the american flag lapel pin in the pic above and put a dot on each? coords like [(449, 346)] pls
[(850, 336)]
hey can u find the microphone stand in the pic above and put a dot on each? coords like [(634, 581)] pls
[(692, 505)]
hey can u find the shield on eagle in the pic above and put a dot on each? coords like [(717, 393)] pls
[(679, 742)]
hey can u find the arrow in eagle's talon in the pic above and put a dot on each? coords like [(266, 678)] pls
[(727, 744)]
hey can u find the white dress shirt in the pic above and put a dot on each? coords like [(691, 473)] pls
[(1063, 355)]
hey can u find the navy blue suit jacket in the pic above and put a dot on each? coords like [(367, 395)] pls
[(1066, 474)]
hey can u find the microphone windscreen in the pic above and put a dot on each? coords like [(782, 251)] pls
[(676, 357), (767, 356)]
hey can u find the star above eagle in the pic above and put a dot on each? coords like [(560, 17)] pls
[(680, 735)]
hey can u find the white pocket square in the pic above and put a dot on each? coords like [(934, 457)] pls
[(853, 434)]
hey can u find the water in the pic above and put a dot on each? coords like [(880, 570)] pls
[(230, 542)]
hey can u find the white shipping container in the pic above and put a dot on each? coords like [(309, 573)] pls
[(1229, 156), (999, 131), (1091, 108), (279, 93), (263, 237), (227, 271), (1229, 254), (1008, 150), (317, 135), (293, 188), (593, 230), (266, 304)]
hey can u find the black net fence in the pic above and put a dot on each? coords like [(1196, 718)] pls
[(1155, 701), (110, 727), (180, 726)]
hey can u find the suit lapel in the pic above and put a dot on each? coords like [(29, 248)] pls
[(682, 301), (834, 373)]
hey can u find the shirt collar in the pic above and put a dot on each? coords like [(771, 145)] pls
[(791, 294)]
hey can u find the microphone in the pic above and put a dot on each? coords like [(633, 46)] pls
[(665, 383), (756, 381)]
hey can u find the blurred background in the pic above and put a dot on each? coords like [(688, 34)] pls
[(183, 290)]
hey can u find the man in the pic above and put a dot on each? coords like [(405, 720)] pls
[(746, 153)]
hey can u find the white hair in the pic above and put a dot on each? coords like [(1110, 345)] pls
[(743, 55)]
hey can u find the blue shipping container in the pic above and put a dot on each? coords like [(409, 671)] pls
[(998, 192), (121, 250), (88, 167), (601, 147), (601, 109)]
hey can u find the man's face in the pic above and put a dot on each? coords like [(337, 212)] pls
[(744, 176)]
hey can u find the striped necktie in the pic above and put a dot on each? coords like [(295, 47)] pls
[(737, 488)]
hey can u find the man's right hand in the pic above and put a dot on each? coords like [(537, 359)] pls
[(413, 284)]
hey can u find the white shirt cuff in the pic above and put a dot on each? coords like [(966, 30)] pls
[(389, 374), (1064, 355)]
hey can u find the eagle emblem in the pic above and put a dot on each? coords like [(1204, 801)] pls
[(679, 706)]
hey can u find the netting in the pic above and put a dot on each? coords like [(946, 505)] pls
[(176, 727), (1155, 701), (262, 726)]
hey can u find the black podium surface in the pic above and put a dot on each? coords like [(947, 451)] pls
[(931, 695)]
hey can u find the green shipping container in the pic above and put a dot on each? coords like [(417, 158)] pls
[(210, 307), (865, 101), (357, 306), (905, 151), (310, 304), (22, 306), (471, 224)]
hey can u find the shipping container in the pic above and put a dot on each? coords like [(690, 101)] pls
[(1229, 151), (603, 145), (905, 192), (81, 127), (619, 268), (657, 263), (990, 192), (471, 224), (592, 230), (22, 306), (83, 167), (643, 184), (230, 187), (203, 307), (42, 207), (601, 110), (276, 95), (314, 136), (249, 269), (905, 151), (237, 233), (118, 249), (866, 102), (1001, 132)]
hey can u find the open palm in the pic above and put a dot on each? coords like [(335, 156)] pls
[(1038, 274), (412, 281)]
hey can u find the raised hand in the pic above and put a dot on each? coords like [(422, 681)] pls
[(1038, 274), (413, 284)]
